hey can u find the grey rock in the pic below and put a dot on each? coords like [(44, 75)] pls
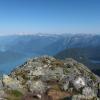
[(88, 91), (65, 86), (82, 97), (11, 83), (79, 82), (2, 95), (37, 86), (1, 85)]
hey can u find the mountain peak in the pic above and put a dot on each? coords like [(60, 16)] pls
[(47, 77)]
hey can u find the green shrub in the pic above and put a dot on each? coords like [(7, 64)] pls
[(15, 93)]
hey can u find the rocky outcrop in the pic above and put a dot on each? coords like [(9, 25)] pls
[(47, 77), (11, 83)]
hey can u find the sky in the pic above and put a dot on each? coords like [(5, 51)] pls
[(49, 16)]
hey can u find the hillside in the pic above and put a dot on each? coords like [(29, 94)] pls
[(46, 78), (88, 56)]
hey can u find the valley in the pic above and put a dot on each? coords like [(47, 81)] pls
[(16, 49)]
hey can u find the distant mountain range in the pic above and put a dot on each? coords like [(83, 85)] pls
[(22, 47), (26, 43), (67, 41)]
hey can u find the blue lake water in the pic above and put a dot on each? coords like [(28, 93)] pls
[(7, 67)]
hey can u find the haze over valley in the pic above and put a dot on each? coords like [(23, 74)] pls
[(15, 49)]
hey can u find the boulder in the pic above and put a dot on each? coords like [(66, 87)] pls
[(65, 86), (88, 92), (79, 82), (2, 95), (37, 86), (11, 83)]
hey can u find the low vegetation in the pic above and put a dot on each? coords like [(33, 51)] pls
[(14, 95)]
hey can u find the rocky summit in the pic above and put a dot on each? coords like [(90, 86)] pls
[(47, 78)]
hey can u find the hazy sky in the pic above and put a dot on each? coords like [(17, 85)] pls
[(49, 16)]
